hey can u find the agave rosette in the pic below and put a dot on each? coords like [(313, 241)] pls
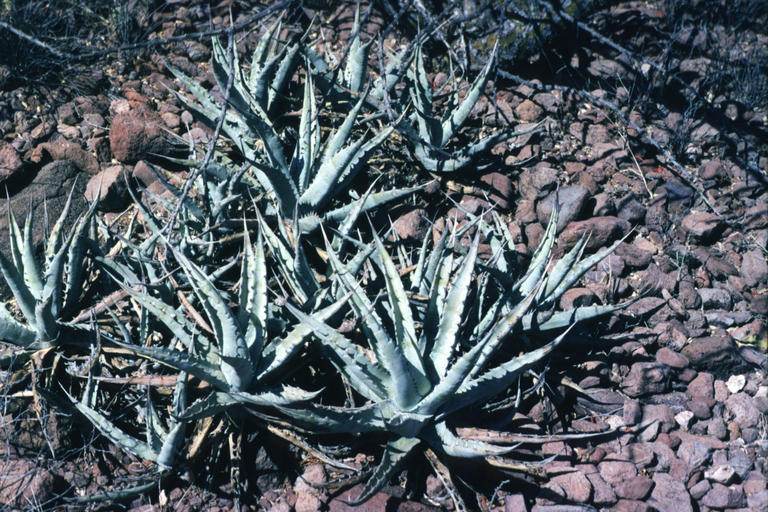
[(416, 381), (303, 186), (432, 135), (47, 293), (229, 348)]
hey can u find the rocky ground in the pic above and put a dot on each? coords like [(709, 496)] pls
[(682, 372)]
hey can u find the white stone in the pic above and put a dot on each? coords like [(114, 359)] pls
[(615, 421), (684, 419), (722, 474), (736, 383)]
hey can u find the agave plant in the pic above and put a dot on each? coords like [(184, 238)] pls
[(47, 292), (207, 215), (230, 350), (417, 380), (557, 279), (163, 440), (433, 134), (316, 173), (355, 66)]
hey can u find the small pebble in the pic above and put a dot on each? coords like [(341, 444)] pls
[(684, 419)]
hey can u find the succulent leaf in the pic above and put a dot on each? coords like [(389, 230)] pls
[(407, 380), (447, 442), (32, 274), (461, 113), (234, 352), (127, 443), (367, 378), (394, 455), (21, 292), (445, 339), (14, 332)]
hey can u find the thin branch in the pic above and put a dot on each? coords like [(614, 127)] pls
[(146, 44), (202, 169), (36, 42)]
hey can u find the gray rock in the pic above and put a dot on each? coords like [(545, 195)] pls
[(646, 306), (754, 268), (650, 432), (702, 227), (378, 501), (515, 503), (712, 169), (534, 233), (758, 501), (562, 508), (602, 230), (646, 378), (701, 488), (662, 413), (740, 462), (677, 190), (743, 410), (687, 294), (717, 428), (310, 497), (526, 211), (639, 453), (636, 488), (575, 297), (670, 495), (616, 471), (63, 149), (23, 481), (412, 226), (574, 486), (720, 268), (701, 408), (110, 189), (719, 318), (499, 187), (536, 183), (137, 134), (712, 352), (528, 111), (625, 505), (10, 162), (756, 217), (722, 474), (663, 456), (751, 332), (721, 496), (715, 298), (655, 280), (703, 386), (603, 204), (571, 202), (694, 454), (631, 210), (143, 172), (633, 257), (602, 494), (549, 101), (633, 412), (671, 358)]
